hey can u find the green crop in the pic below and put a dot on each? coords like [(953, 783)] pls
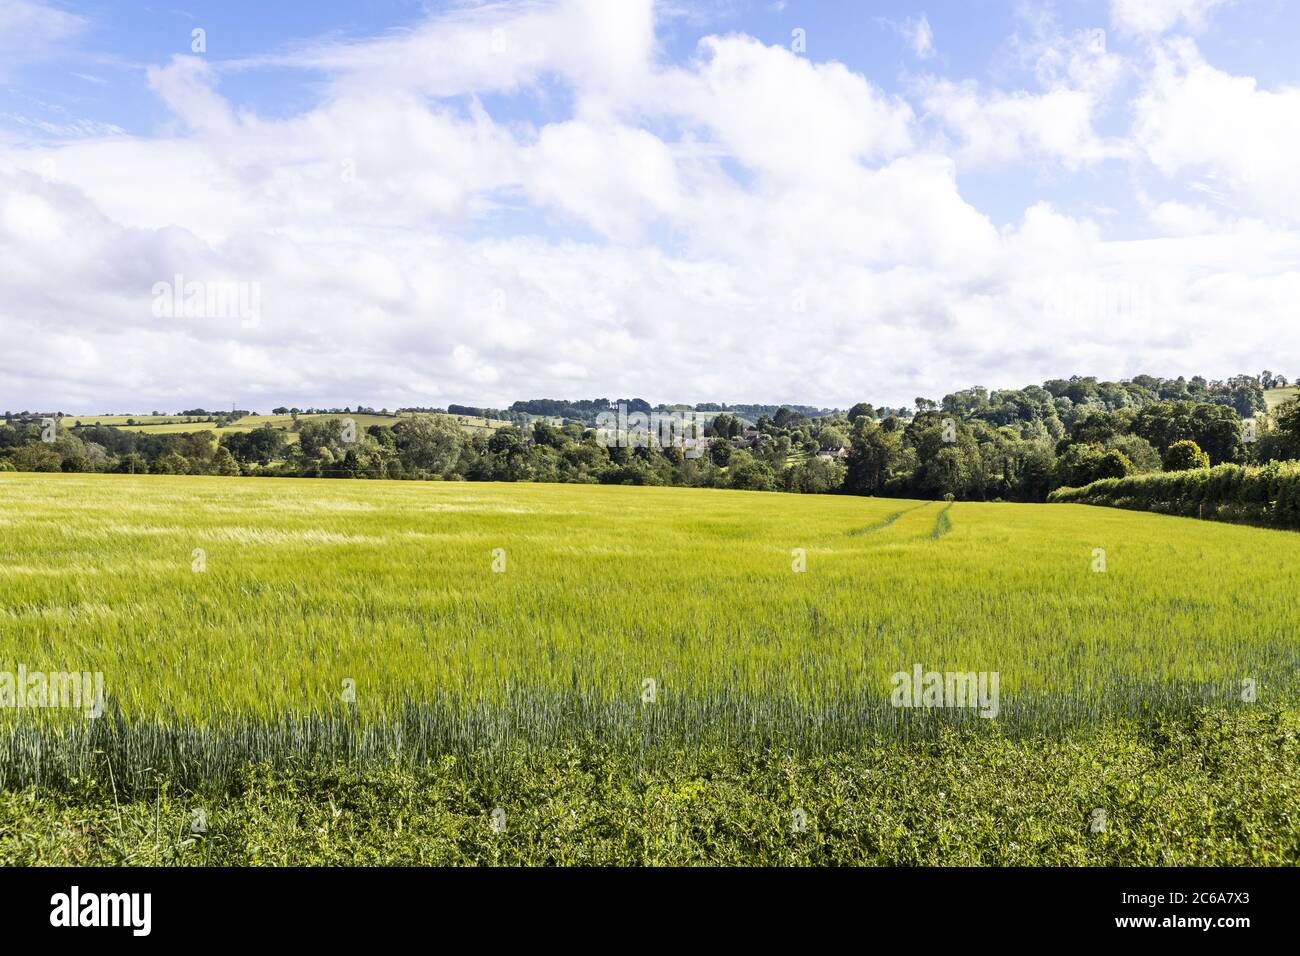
[(273, 620)]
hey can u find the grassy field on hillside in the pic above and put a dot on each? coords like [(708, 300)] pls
[(118, 421), (176, 424), (1274, 397)]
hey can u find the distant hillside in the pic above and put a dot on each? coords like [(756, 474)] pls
[(177, 424), (1279, 396)]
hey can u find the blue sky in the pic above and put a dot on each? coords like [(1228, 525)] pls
[(478, 202), (100, 77)]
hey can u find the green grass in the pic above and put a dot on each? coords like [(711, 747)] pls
[(390, 585), (173, 428), (887, 520), (175, 424), (942, 523), (1274, 397), (1209, 789), (115, 421)]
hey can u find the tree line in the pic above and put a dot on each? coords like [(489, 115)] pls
[(1013, 445)]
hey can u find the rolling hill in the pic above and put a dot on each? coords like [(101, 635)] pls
[(1275, 397), (176, 424)]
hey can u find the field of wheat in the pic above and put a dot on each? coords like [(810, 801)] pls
[(240, 619)]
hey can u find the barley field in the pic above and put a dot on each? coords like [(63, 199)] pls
[(237, 619)]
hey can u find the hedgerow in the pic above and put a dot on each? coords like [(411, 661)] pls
[(1267, 495)]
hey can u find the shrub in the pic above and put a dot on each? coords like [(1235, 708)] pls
[(750, 475), (223, 462), (1077, 466), (170, 464), (1114, 464), (1137, 450), (1185, 455), (37, 458), (132, 464), (1269, 495)]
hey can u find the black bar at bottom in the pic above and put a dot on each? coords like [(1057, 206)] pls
[(336, 906)]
